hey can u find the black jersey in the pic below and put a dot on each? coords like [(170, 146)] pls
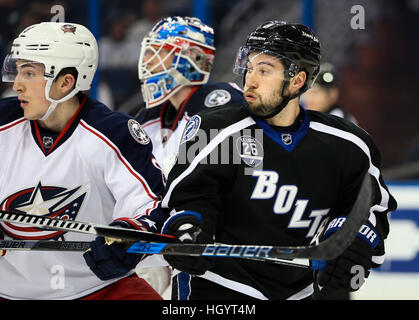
[(258, 184)]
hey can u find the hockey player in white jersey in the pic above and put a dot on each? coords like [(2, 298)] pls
[(67, 156), (174, 67)]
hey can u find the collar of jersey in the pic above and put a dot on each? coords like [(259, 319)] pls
[(275, 134), (63, 135)]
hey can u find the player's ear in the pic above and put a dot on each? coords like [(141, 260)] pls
[(62, 85), (297, 81), (66, 83)]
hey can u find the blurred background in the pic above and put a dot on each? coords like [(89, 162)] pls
[(371, 43)]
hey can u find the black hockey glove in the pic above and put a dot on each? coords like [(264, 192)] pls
[(108, 258), (186, 229), (348, 271)]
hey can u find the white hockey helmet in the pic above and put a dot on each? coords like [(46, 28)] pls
[(56, 46)]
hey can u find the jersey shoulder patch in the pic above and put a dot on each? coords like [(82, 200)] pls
[(217, 97), (221, 93), (191, 128), (137, 132)]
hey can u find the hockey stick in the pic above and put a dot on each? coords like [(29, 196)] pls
[(82, 246), (325, 250), (83, 227), (259, 253), (328, 249), (44, 245)]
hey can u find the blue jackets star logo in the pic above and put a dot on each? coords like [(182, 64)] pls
[(49, 201)]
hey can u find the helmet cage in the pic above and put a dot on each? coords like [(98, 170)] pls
[(191, 65), (189, 43), (241, 65)]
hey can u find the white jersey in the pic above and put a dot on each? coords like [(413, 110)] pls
[(165, 152), (98, 169)]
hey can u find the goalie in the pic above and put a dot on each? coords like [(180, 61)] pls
[(272, 175)]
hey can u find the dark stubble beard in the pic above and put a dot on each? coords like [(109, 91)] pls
[(264, 106)]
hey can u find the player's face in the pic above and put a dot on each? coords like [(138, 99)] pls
[(30, 87), (158, 62), (263, 83)]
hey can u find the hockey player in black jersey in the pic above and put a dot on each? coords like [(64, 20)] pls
[(270, 172)]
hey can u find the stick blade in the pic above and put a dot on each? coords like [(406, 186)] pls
[(132, 235)]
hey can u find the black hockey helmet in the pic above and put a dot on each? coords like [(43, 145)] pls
[(295, 44)]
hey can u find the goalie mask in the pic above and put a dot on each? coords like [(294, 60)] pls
[(295, 45), (54, 46), (178, 52)]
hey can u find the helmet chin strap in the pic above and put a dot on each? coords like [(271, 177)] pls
[(282, 105), (54, 103), (278, 108), (51, 108)]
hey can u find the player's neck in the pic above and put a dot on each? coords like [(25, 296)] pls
[(287, 116), (180, 96), (62, 114)]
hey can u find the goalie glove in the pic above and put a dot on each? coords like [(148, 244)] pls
[(108, 259), (186, 228), (349, 271)]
